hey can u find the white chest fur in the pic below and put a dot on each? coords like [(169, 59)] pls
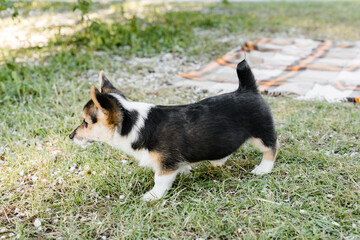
[(124, 142), (141, 155)]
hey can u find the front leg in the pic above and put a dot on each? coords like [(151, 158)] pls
[(163, 182)]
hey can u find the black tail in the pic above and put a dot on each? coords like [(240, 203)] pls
[(246, 77)]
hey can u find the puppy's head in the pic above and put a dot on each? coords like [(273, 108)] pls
[(101, 115)]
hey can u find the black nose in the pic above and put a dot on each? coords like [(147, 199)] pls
[(71, 136)]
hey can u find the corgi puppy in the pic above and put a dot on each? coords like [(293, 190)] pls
[(169, 139)]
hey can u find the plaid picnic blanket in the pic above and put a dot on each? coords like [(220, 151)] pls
[(306, 68)]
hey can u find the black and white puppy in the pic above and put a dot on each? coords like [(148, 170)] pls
[(169, 139)]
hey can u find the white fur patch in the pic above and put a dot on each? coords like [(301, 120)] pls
[(265, 167), (185, 170)]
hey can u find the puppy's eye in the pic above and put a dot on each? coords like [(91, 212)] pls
[(84, 123)]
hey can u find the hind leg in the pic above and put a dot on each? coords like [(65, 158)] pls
[(269, 155)]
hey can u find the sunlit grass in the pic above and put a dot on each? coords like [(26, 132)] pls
[(94, 193)]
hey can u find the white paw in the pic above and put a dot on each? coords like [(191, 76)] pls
[(264, 167), (260, 171), (218, 163), (150, 196), (185, 170)]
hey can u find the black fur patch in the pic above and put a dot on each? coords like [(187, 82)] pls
[(93, 118), (129, 120), (246, 77), (89, 105), (107, 87), (91, 110), (149, 133), (106, 84), (105, 101)]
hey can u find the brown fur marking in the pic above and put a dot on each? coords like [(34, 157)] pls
[(95, 92), (158, 159), (269, 155), (113, 116)]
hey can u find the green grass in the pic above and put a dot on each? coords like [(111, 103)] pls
[(175, 30), (78, 193)]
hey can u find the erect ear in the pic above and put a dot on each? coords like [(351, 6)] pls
[(100, 100), (105, 83)]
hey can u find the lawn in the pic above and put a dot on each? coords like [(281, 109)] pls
[(51, 189)]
